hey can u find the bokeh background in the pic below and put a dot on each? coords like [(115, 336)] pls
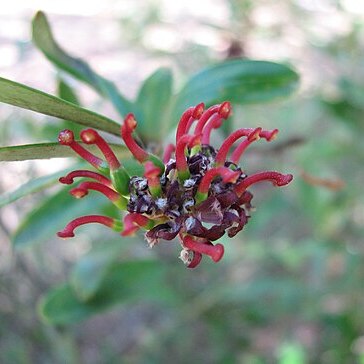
[(290, 288)]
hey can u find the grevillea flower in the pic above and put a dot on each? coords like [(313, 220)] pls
[(195, 193)]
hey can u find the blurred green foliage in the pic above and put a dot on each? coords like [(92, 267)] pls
[(290, 288)]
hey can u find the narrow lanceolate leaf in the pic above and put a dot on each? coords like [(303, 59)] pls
[(51, 150), (44, 40), (239, 81), (152, 104), (124, 283), (66, 92), (23, 96), (33, 186)]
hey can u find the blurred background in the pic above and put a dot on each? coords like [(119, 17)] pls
[(290, 287)]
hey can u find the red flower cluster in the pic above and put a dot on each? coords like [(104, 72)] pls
[(196, 193)]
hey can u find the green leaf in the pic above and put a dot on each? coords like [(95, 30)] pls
[(133, 167), (65, 92), (52, 216), (32, 186), (44, 40), (51, 150), (125, 282), (152, 104), (16, 94), (89, 272), (238, 81)]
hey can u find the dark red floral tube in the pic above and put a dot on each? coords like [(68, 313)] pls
[(188, 117), (68, 231), (66, 137), (227, 175), (278, 179), (90, 136), (127, 130), (230, 140), (68, 180), (112, 195), (258, 133), (138, 152), (215, 252), (133, 222), (181, 161), (168, 152), (152, 174), (223, 110)]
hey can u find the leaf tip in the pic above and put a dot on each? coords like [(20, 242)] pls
[(39, 17), (40, 24), (39, 14)]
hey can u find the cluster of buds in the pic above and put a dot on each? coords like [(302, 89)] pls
[(195, 193)]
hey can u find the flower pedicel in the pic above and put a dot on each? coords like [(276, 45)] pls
[(195, 193)]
